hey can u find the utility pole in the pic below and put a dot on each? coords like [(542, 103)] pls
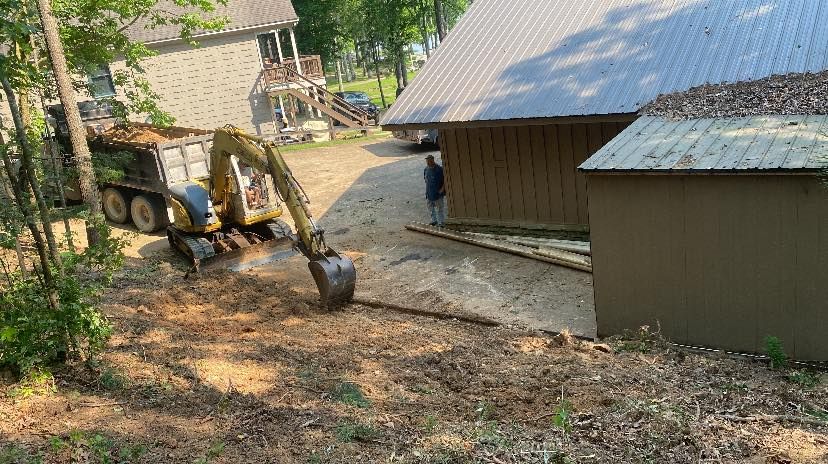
[(77, 133)]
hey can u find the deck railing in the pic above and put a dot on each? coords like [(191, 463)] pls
[(311, 68)]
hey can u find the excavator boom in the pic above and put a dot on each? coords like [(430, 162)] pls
[(334, 274)]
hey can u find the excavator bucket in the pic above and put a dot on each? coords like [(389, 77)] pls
[(335, 277), (248, 257)]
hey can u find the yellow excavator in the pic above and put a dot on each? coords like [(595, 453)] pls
[(232, 218)]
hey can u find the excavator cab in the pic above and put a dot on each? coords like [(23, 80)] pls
[(233, 221)]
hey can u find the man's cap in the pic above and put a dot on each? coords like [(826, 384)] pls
[(429, 157)]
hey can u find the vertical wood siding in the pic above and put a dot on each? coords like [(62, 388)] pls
[(522, 175), (718, 261)]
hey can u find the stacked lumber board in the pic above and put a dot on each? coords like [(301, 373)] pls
[(568, 253)]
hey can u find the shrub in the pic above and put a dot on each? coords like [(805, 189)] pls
[(776, 352), (33, 334)]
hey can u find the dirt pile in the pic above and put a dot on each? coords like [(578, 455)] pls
[(137, 134), (781, 94)]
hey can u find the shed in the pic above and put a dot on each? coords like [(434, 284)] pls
[(714, 230), (524, 91)]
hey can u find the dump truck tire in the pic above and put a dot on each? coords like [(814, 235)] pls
[(116, 205), (149, 214)]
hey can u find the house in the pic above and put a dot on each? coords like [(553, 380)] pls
[(224, 79), (522, 92), (714, 230), (240, 75)]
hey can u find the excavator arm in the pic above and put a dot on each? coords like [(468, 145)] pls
[(334, 274)]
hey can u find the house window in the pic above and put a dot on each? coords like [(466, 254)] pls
[(100, 83)]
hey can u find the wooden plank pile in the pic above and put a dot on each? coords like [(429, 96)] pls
[(568, 253)]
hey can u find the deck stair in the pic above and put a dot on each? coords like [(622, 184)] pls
[(284, 80)]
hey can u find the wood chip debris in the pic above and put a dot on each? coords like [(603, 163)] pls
[(787, 94)]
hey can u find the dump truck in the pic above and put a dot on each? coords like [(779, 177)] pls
[(161, 158)]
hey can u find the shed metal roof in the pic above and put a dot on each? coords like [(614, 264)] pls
[(521, 59), (242, 14), (758, 143)]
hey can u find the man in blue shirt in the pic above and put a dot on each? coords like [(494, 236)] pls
[(435, 191)]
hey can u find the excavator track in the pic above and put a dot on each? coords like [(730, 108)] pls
[(238, 250)]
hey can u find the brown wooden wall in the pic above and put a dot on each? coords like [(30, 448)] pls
[(718, 261), (521, 175)]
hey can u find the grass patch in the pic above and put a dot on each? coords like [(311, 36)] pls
[(215, 450), (36, 382), (370, 86), (350, 431), (332, 143), (113, 379), (429, 423), (99, 448), (804, 379), (13, 454), (350, 394)]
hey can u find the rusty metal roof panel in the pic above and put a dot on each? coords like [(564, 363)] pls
[(241, 15), (554, 58), (757, 143)]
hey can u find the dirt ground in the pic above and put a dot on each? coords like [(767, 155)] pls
[(363, 195), (247, 368), (197, 374)]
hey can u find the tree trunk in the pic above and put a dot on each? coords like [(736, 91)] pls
[(27, 166), (379, 76), (350, 69), (439, 19), (404, 69), (24, 205), (362, 59), (77, 133), (426, 41), (339, 74), (398, 75), (21, 259)]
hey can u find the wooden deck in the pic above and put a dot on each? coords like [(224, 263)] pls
[(279, 74)]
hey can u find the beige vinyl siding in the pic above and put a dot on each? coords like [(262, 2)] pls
[(713, 260), (204, 87), (214, 84), (522, 176)]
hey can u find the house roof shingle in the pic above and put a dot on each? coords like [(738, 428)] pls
[(242, 14), (554, 58)]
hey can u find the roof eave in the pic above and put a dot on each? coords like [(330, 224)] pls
[(617, 117), (267, 26), (704, 172)]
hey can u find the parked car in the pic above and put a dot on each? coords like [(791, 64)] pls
[(362, 101), (422, 137)]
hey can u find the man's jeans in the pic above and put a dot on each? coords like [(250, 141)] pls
[(438, 211)]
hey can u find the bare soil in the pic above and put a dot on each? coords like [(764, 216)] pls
[(264, 373), (247, 368)]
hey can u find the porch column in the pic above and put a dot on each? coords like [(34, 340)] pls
[(279, 47), (296, 52)]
